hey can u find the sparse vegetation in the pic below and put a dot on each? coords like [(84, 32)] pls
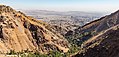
[(73, 49), (78, 38), (12, 52)]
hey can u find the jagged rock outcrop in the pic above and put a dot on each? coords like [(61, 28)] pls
[(19, 32)]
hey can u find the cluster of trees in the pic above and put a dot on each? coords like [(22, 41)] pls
[(78, 38)]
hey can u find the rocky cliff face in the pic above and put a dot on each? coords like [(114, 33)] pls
[(19, 32), (105, 42)]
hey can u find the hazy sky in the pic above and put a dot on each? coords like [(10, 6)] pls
[(64, 5)]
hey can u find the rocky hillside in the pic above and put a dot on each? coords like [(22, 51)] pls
[(19, 32), (104, 44), (105, 41)]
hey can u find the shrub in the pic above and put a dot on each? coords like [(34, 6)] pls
[(12, 52), (33, 55), (55, 54)]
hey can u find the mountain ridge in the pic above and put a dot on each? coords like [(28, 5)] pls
[(20, 32), (105, 42), (93, 28)]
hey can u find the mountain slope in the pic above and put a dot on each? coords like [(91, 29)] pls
[(103, 23), (19, 32), (95, 27), (105, 44)]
